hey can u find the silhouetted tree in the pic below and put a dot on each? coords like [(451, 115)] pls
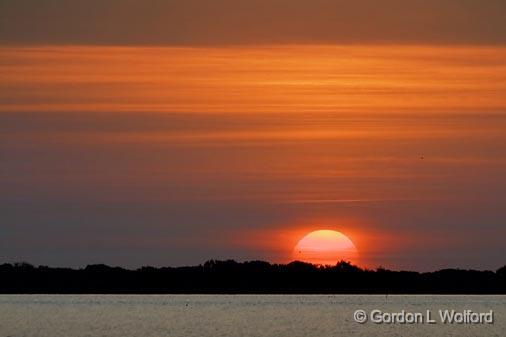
[(229, 276), (346, 266)]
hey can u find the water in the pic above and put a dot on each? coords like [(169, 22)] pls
[(234, 315)]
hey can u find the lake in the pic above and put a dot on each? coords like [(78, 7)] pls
[(245, 315)]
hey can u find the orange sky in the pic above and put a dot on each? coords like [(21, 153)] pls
[(291, 79), (173, 155)]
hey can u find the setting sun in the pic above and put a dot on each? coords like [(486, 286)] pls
[(325, 247)]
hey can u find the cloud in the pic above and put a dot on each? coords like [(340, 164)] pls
[(254, 79), (228, 22)]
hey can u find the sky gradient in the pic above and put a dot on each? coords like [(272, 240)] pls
[(231, 22), (168, 133)]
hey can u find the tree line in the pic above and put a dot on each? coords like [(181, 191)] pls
[(231, 277)]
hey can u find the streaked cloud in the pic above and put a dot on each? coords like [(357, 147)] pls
[(253, 79)]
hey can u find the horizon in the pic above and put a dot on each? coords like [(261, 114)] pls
[(246, 262)]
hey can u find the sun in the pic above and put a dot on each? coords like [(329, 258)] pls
[(326, 247)]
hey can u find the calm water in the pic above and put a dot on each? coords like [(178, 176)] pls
[(235, 315)]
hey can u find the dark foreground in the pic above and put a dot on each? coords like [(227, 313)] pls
[(230, 277)]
